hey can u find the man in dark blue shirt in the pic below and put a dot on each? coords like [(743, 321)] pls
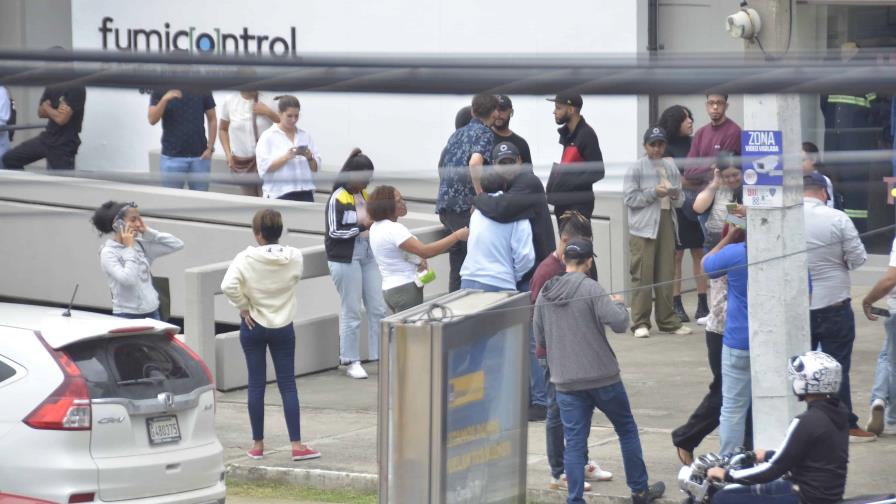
[(186, 152), (468, 150)]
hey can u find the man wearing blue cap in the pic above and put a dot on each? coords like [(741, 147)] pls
[(833, 249)]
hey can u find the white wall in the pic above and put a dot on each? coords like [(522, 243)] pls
[(399, 132)]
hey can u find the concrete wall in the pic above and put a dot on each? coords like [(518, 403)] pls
[(50, 245)]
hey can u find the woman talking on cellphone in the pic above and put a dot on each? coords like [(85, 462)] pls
[(127, 256), (286, 156)]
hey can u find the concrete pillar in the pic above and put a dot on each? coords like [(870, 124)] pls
[(199, 310), (778, 278)]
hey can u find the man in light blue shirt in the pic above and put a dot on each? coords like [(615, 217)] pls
[(833, 249), (498, 255)]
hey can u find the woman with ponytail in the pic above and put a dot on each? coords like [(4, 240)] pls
[(352, 265)]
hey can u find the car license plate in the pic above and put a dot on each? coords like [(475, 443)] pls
[(163, 429)]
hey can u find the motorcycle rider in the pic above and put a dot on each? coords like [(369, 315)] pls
[(810, 465)]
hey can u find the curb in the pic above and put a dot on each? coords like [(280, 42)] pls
[(364, 482)]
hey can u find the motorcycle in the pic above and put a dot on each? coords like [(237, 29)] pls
[(699, 489)]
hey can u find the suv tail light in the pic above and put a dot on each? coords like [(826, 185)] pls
[(208, 373), (67, 407)]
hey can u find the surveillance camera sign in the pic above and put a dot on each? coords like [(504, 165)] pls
[(763, 168)]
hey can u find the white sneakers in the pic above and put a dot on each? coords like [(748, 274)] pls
[(702, 320), (593, 472), (354, 370), (876, 422), (643, 332), (560, 484)]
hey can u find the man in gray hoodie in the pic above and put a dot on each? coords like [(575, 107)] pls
[(570, 314)]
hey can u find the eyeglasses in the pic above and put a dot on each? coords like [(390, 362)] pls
[(716, 103)]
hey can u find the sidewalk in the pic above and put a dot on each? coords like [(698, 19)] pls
[(666, 376)]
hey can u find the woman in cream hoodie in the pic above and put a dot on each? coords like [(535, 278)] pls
[(261, 282)]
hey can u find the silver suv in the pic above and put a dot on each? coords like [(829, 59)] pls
[(104, 409)]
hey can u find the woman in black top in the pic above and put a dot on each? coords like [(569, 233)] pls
[(678, 122)]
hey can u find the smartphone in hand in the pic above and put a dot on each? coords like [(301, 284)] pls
[(880, 312)]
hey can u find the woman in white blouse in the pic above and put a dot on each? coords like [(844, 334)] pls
[(287, 156)]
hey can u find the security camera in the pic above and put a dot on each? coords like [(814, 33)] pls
[(744, 24)]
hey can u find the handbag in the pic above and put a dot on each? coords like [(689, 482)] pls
[(163, 289), (687, 207), (242, 165)]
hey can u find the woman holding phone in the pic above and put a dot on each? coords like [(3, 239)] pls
[(127, 256), (652, 192), (286, 156)]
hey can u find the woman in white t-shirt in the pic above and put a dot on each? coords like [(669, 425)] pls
[(398, 253), (244, 116), (287, 156)]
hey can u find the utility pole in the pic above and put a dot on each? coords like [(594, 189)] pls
[(778, 292)]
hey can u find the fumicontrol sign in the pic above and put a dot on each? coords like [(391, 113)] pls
[(169, 38)]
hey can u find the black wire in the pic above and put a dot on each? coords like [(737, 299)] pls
[(703, 275)]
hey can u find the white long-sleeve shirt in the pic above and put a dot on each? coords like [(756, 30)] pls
[(263, 280), (834, 248), (296, 174)]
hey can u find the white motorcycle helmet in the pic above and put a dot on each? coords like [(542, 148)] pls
[(815, 373)]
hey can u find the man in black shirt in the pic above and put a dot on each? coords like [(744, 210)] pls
[(64, 108), (186, 150), (815, 452), (570, 184), (503, 132)]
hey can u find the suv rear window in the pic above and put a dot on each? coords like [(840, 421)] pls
[(136, 367), (6, 371)]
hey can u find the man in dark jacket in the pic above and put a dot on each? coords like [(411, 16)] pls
[(570, 315), (815, 451), (581, 165), (523, 198)]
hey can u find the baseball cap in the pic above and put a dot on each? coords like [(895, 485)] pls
[(578, 248), (654, 134), (568, 99), (504, 102), (504, 150), (815, 179)]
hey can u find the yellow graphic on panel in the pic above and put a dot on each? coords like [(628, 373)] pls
[(466, 389)]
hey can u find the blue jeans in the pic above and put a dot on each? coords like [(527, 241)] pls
[(776, 492), (473, 284), (885, 374), (576, 409), (736, 397), (359, 282), (282, 343), (153, 315), (553, 428), (834, 330), (192, 170)]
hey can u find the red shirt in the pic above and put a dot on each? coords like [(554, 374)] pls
[(550, 267), (707, 143)]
